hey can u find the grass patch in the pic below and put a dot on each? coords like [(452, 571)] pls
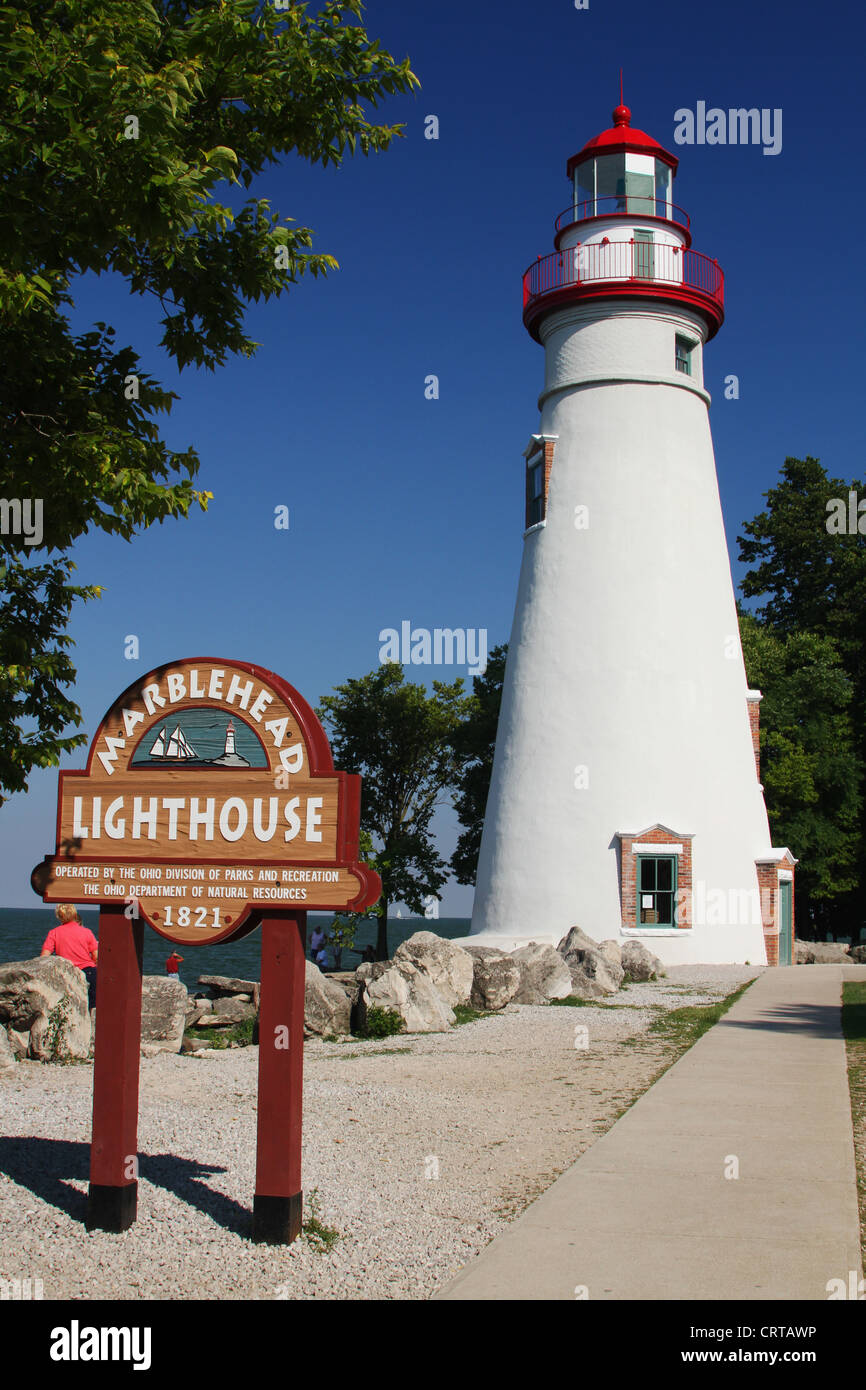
[(684, 1026), (240, 1033), (574, 1001), (381, 1023), (854, 1031), (373, 1052), (464, 1014), (322, 1238)]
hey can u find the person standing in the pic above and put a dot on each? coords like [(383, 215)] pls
[(317, 944), (75, 943), (171, 965)]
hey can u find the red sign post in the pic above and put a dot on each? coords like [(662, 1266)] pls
[(209, 805)]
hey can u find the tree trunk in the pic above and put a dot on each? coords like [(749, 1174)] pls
[(382, 941)]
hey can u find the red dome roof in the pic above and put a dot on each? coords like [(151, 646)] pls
[(622, 136)]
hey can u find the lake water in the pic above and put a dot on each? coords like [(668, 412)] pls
[(23, 930)]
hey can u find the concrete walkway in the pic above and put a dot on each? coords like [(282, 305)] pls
[(647, 1212)]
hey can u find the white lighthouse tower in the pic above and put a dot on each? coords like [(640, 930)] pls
[(625, 795)]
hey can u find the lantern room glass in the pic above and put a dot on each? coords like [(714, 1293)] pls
[(607, 185)]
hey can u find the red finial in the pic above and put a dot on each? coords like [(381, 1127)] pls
[(622, 115)]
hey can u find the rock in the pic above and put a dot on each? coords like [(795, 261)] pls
[(640, 963), (7, 1056), (221, 985), (612, 951), (496, 977), (164, 1007), (409, 992), (544, 975), (46, 999), (821, 953), (594, 972), (348, 981), (233, 1009), (372, 969), (19, 1042), (447, 966), (858, 954), (326, 1005)]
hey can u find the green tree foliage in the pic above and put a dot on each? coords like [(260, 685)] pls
[(806, 577), (810, 580), (123, 127), (810, 768), (401, 741), (475, 743)]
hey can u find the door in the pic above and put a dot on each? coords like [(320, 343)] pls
[(785, 921), (644, 256)]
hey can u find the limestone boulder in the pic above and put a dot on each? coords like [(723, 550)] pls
[(46, 999), (544, 975), (326, 1005), (639, 963), (372, 969), (408, 991), (8, 1062), (496, 977), (164, 1009), (821, 953), (858, 955), (234, 1009), (594, 972), (447, 966), (612, 951), (220, 985)]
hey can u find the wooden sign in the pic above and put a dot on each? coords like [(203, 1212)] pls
[(209, 792), (209, 806)]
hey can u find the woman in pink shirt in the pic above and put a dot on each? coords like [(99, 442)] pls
[(76, 943)]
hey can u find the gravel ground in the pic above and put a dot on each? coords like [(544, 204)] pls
[(417, 1150)]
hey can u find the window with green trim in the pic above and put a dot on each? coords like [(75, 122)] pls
[(684, 356), (656, 889), (535, 499)]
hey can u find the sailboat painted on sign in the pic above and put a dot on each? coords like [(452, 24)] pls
[(175, 746)]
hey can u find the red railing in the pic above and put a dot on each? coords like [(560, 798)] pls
[(623, 205), (627, 263)]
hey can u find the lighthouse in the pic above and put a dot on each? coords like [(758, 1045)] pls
[(230, 757), (625, 795)]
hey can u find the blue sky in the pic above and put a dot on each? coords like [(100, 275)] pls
[(408, 508)]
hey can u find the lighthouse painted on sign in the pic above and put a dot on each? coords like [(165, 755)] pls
[(625, 795)]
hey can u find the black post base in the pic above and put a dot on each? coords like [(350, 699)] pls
[(112, 1208), (277, 1220)]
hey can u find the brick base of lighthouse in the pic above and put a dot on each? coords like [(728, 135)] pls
[(769, 884)]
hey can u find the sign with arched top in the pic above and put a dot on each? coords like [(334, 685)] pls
[(209, 792), (210, 805)]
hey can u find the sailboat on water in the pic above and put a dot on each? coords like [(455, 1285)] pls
[(175, 746)]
